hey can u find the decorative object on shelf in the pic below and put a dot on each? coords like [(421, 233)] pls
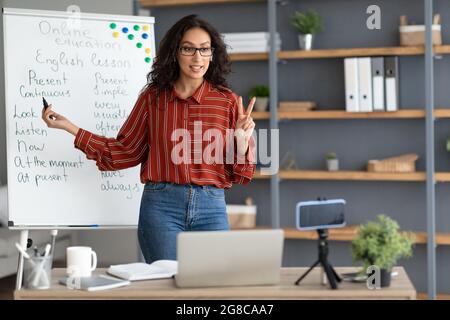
[(447, 146), (288, 162), (261, 92), (402, 163), (381, 244), (296, 106), (332, 161), (414, 35), (242, 216), (307, 24)]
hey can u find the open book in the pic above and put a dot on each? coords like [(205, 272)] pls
[(142, 271)]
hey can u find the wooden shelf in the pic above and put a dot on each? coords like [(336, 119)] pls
[(442, 176), (360, 52), (349, 233), (171, 3), (351, 175), (249, 56), (340, 114), (355, 176), (340, 53), (439, 296)]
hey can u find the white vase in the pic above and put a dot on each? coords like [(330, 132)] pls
[(305, 41), (261, 103), (332, 164)]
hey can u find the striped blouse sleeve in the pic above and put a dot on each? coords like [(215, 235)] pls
[(128, 149), (243, 167)]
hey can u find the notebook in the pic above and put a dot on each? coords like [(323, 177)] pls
[(94, 283), (159, 269), (229, 258)]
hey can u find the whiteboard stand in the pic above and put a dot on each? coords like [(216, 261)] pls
[(23, 244)]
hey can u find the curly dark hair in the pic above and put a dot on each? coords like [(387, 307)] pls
[(165, 66)]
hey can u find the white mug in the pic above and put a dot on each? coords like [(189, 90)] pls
[(81, 261)]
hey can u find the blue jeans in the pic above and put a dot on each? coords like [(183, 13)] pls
[(168, 208)]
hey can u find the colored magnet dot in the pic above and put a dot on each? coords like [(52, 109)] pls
[(147, 50), (148, 60), (144, 35), (145, 28), (113, 25), (124, 29), (139, 45), (115, 34), (130, 36), (136, 27)]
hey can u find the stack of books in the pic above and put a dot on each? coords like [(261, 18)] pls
[(249, 42)]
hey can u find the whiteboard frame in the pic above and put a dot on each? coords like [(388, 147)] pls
[(63, 14), (84, 16)]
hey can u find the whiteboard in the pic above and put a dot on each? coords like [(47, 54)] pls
[(91, 67)]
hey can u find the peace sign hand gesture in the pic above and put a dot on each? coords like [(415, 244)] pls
[(244, 125)]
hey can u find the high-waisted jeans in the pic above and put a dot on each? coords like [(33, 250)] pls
[(168, 208)]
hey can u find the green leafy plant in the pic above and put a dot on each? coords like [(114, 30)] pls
[(331, 155), (259, 91), (307, 23), (381, 243)]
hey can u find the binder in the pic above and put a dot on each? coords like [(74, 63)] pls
[(351, 84), (378, 83), (391, 76), (365, 84)]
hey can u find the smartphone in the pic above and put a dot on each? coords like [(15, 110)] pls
[(313, 215)]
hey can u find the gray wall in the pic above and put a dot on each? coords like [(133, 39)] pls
[(355, 141), (118, 246)]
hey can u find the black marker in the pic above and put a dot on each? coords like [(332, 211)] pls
[(46, 106), (45, 103)]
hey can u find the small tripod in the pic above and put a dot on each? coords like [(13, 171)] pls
[(332, 275)]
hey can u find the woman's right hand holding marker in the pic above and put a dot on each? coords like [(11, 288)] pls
[(57, 121)]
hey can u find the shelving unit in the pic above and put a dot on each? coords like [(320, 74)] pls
[(428, 114)]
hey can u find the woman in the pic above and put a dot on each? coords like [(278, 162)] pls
[(184, 179)]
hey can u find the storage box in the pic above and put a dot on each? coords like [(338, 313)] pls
[(414, 35), (404, 163), (241, 216)]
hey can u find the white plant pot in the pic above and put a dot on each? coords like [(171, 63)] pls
[(332, 164), (305, 41), (261, 103)]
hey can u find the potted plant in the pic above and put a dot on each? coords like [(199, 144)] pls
[(381, 244), (332, 161), (307, 24), (261, 92)]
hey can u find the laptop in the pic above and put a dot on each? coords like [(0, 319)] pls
[(229, 258)]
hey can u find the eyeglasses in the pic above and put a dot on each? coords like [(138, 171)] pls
[(191, 51)]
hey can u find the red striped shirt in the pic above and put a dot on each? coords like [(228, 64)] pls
[(146, 138)]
